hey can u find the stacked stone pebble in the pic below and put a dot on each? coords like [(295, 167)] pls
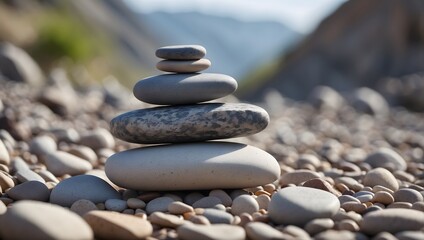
[(189, 162)]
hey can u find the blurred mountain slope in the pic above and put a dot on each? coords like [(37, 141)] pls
[(235, 47), (359, 44)]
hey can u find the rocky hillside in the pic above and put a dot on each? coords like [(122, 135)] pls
[(358, 45)]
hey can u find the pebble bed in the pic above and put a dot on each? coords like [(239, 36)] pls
[(350, 169)]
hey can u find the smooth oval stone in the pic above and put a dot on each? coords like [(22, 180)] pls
[(173, 89), (181, 52), (82, 187), (299, 205), (216, 231), (31, 190), (381, 176), (260, 231), (392, 221), (216, 216), (113, 225), (386, 157), (189, 123), (192, 166), (188, 66), (37, 220), (60, 163)]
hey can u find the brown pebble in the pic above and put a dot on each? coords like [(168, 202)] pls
[(383, 197), (352, 206), (270, 188), (321, 184), (179, 208), (341, 187), (245, 218), (135, 203), (378, 188), (148, 196), (348, 225), (199, 219), (166, 220), (319, 225)]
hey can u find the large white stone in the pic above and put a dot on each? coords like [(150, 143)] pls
[(190, 166), (172, 89)]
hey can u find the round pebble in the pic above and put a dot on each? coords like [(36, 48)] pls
[(297, 177), (385, 157), (31, 190), (159, 204), (392, 221), (216, 216), (83, 206), (299, 205), (179, 208), (113, 225), (82, 187), (259, 231), (61, 163), (166, 220), (187, 66), (222, 195), (408, 195), (215, 231), (207, 202), (381, 176), (244, 204), (37, 220), (383, 197), (318, 225), (116, 205), (135, 203)]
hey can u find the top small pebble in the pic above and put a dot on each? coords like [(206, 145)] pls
[(181, 52)]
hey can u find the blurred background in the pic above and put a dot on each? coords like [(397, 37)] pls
[(284, 46)]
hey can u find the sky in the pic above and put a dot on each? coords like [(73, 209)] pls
[(301, 15)]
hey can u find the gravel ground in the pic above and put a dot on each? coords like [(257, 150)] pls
[(366, 155)]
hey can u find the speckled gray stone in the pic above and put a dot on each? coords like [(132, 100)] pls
[(187, 66), (189, 123), (190, 88), (192, 166), (181, 52)]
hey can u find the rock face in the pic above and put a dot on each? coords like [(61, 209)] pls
[(36, 220), (336, 56), (210, 165), (188, 88), (189, 123), (299, 205)]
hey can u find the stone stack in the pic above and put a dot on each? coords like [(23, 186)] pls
[(186, 159)]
